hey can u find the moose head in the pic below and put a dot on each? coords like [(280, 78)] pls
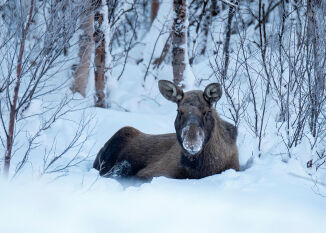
[(195, 119)]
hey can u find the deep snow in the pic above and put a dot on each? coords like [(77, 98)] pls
[(263, 199)]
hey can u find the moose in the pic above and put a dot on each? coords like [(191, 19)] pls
[(203, 144)]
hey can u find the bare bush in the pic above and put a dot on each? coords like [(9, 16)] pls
[(40, 35)]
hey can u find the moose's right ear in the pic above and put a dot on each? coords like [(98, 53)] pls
[(170, 91)]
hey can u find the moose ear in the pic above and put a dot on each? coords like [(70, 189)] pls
[(213, 92), (170, 91)]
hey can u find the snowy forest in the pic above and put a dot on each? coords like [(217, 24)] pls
[(73, 72)]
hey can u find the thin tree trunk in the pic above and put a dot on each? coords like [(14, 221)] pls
[(85, 54), (179, 40), (99, 60), (227, 41), (206, 25), (13, 110), (154, 9), (158, 61), (317, 81)]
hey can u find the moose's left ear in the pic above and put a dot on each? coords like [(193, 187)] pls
[(213, 92)]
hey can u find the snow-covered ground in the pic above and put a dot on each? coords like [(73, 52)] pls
[(265, 198)]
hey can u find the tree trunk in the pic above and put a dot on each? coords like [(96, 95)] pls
[(179, 40), (226, 51), (206, 25), (99, 60), (85, 54), (317, 80), (158, 61), (13, 105), (154, 9)]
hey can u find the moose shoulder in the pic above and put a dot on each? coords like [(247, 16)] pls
[(203, 144)]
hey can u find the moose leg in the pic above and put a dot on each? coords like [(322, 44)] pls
[(165, 167), (145, 174), (111, 159), (120, 169)]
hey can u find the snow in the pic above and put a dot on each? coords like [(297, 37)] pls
[(264, 198)]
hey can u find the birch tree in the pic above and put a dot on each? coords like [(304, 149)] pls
[(100, 55), (81, 70), (179, 40), (99, 30)]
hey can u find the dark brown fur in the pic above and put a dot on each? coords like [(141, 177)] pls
[(130, 152)]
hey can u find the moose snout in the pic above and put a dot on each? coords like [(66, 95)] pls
[(192, 138)]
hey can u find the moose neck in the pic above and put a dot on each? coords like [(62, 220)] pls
[(204, 164)]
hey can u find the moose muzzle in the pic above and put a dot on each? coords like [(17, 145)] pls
[(192, 137)]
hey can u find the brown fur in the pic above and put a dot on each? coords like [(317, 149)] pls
[(149, 156)]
